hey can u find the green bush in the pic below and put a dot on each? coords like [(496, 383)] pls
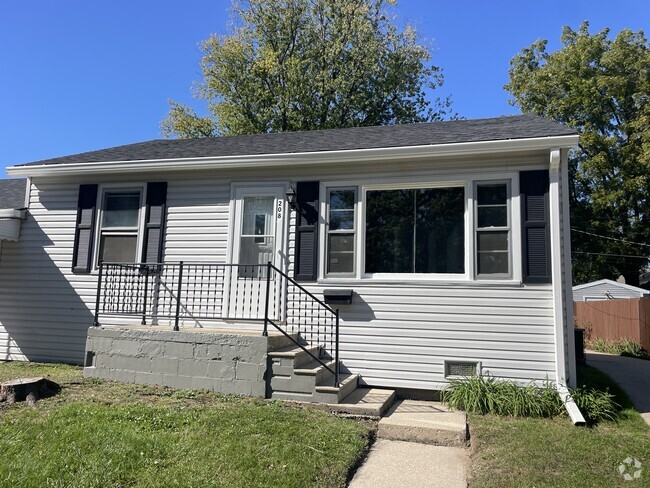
[(595, 405), (620, 347), (485, 394)]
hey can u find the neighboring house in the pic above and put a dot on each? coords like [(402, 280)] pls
[(12, 213), (449, 239), (606, 290), (12, 206)]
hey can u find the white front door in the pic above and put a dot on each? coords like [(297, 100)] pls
[(257, 240)]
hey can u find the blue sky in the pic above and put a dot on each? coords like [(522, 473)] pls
[(78, 75)]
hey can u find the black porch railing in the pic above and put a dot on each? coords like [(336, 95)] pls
[(204, 292)]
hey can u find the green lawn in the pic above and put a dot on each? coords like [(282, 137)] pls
[(96, 433), (524, 452)]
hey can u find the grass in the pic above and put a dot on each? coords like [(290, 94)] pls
[(538, 452), (620, 347), (96, 433)]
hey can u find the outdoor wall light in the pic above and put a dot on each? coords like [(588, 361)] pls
[(291, 198)]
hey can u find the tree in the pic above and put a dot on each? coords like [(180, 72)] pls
[(310, 64), (601, 87)]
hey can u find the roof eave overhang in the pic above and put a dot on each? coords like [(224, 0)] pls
[(290, 159)]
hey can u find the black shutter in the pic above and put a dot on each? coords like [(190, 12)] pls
[(84, 235), (536, 249), (306, 268), (154, 229)]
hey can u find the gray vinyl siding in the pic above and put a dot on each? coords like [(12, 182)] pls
[(395, 335), (598, 292)]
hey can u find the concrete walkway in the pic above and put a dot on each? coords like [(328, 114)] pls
[(392, 464), (419, 444), (633, 375)]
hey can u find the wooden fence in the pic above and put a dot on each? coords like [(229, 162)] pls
[(615, 319)]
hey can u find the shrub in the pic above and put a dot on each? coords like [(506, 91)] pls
[(595, 405), (621, 347), (485, 394)]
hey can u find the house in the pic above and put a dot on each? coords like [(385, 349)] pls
[(412, 253), (606, 290), (12, 208)]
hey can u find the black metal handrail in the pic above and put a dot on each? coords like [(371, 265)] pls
[(311, 318), (224, 292)]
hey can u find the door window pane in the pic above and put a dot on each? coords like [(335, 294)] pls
[(121, 209), (255, 250), (257, 240), (258, 216), (415, 231)]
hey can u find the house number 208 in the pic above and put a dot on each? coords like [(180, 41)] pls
[(280, 209)]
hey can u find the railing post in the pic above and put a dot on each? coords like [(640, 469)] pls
[(178, 295), (144, 296), (99, 291), (265, 332), (337, 365)]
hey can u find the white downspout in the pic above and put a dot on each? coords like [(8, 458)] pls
[(556, 268), (560, 312), (572, 409)]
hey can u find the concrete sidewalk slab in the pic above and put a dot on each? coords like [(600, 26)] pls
[(425, 422), (631, 374), (408, 464)]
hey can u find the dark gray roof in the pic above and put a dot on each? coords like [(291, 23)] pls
[(12, 193), (402, 135)]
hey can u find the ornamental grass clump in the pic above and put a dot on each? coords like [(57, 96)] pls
[(620, 347), (485, 394)]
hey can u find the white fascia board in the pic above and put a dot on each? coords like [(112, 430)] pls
[(291, 159)]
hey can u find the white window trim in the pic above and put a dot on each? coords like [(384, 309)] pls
[(426, 276), (116, 188), (355, 232), (510, 229), (468, 181)]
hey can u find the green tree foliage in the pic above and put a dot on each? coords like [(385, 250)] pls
[(601, 87), (291, 65)]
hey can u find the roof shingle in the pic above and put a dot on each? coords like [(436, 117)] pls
[(402, 135)]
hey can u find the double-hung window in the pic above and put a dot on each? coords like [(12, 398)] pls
[(341, 231), (119, 225), (493, 229)]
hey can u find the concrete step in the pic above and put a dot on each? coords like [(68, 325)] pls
[(327, 393), (293, 384), (424, 422), (293, 389), (294, 356), (364, 402), (317, 370), (280, 341)]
